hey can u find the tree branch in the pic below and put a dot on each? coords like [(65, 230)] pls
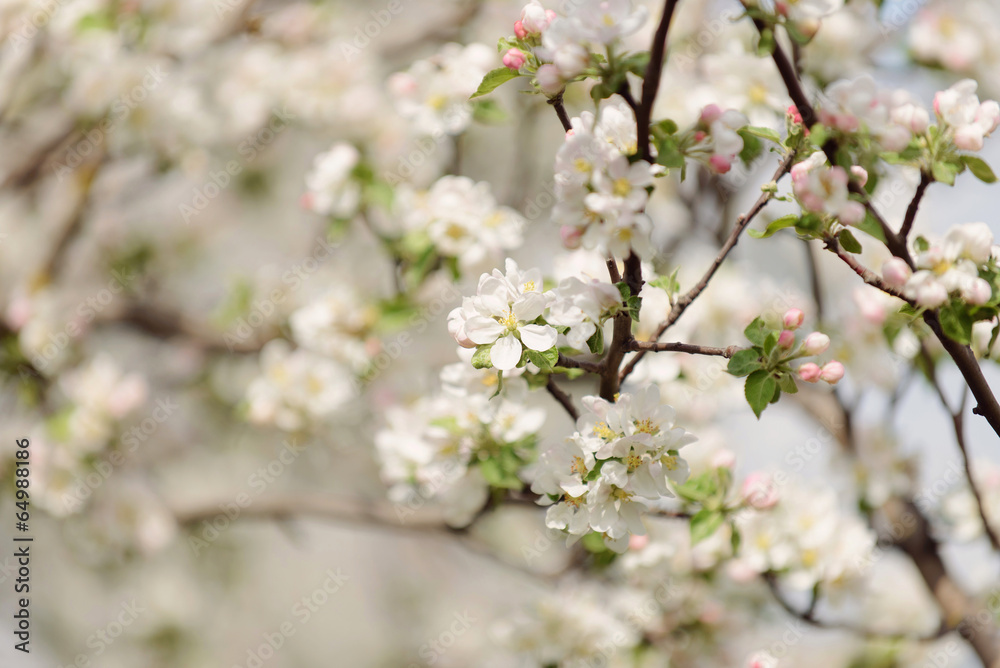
[(562, 397), (690, 348), (557, 104), (651, 82), (958, 422), (688, 298), (911, 210)]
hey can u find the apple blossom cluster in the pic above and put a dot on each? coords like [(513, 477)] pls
[(623, 457), (601, 194), (330, 187), (798, 531), (512, 321), (813, 344), (804, 14), (461, 219), (717, 138), (562, 47), (578, 626), (894, 118), (823, 189), (433, 94), (454, 446), (296, 387), (946, 269)]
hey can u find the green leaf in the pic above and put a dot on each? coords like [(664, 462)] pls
[(668, 126), (848, 242), (956, 323), (756, 332), (634, 306), (763, 133), (705, 523), (494, 79), (481, 358), (596, 342), (787, 383), (668, 154), (871, 227), (979, 168), (488, 111), (744, 362), (774, 226), (759, 390), (544, 360), (495, 475), (945, 172), (752, 146), (668, 284), (593, 542), (770, 342), (701, 488)]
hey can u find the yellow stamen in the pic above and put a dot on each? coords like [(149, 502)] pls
[(646, 426), (602, 430), (621, 187)]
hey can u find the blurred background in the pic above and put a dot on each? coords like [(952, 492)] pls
[(171, 211)]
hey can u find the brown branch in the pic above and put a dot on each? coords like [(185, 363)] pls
[(911, 210), (571, 363), (866, 274), (564, 399), (167, 325), (651, 82), (557, 104), (809, 617), (688, 298), (958, 423), (690, 348)]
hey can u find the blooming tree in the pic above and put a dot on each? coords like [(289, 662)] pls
[(618, 367)]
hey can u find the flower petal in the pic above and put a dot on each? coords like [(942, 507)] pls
[(536, 337), (483, 330), (506, 353)]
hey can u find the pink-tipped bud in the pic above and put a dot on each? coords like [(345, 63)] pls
[(570, 236), (793, 318), (978, 292), (637, 542), (816, 344), (832, 372), (896, 272), (519, 30), (723, 459), (759, 491), (710, 114), (721, 164), (514, 59), (860, 174), (793, 113), (786, 339), (809, 372), (549, 79)]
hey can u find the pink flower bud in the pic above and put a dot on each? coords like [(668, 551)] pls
[(896, 272), (723, 459), (786, 339), (519, 30), (809, 372), (861, 174), (809, 27), (978, 292), (549, 80), (832, 372), (816, 344), (699, 136), (710, 114), (969, 138), (793, 113), (852, 213), (721, 163), (759, 491), (637, 542), (514, 59), (793, 318), (570, 236)]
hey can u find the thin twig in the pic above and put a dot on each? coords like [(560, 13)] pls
[(958, 422), (911, 210), (557, 104), (564, 399), (688, 298), (690, 348), (651, 82)]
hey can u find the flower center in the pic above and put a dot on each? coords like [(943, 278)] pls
[(646, 426), (508, 320), (582, 166), (620, 494), (633, 461), (621, 187), (579, 466), (529, 286), (670, 462), (602, 430)]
